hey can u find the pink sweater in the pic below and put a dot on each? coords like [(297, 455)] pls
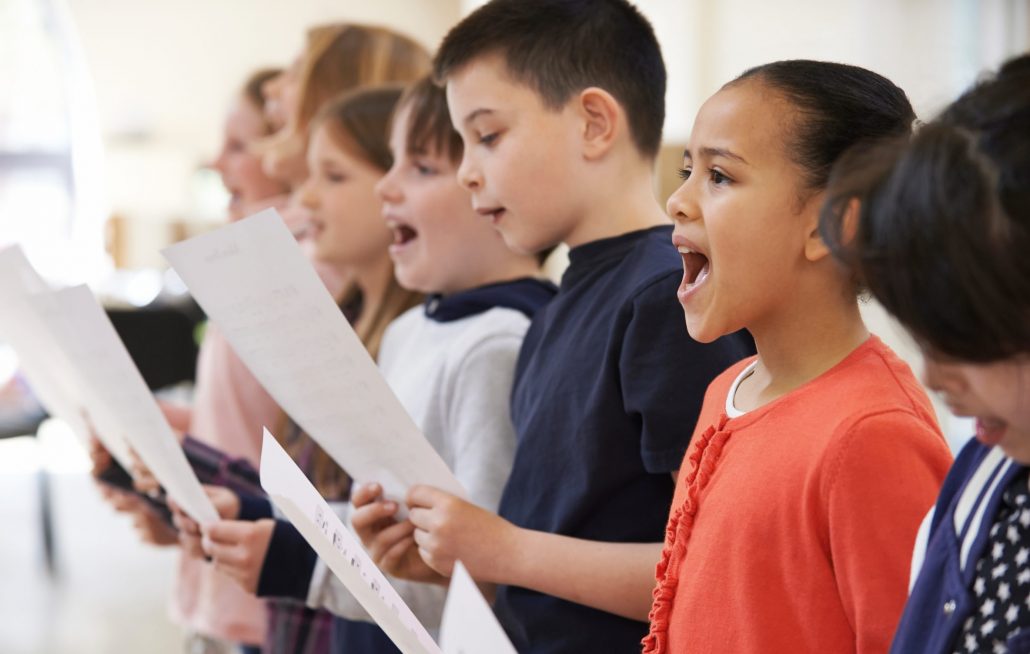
[(229, 409)]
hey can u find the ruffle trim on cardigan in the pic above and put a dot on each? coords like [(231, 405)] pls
[(703, 458)]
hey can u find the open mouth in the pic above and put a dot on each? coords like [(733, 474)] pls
[(695, 268), (990, 431), (311, 228), (403, 234)]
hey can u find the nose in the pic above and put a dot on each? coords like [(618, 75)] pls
[(219, 162), (680, 206), (386, 188), (307, 195), (469, 175)]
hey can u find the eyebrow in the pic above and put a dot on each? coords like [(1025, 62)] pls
[(717, 152), (476, 114)]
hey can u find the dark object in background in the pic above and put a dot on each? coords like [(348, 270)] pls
[(160, 340), (118, 477)]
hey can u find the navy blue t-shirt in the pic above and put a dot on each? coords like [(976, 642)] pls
[(523, 295), (608, 386)]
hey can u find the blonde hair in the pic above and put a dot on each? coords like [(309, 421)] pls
[(342, 57)]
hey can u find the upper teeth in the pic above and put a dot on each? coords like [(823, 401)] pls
[(685, 250)]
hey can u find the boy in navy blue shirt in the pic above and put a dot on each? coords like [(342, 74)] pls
[(560, 105)]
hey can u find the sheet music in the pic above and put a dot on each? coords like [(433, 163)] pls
[(44, 366), (291, 491), (253, 281), (118, 399), (469, 625)]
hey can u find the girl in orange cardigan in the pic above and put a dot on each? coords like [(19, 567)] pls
[(812, 464)]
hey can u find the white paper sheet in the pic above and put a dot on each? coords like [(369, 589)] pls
[(117, 398), (341, 550), (469, 625), (44, 365), (253, 281)]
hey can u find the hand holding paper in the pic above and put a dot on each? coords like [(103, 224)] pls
[(448, 528), (291, 491), (115, 394), (238, 549), (390, 543), (253, 281)]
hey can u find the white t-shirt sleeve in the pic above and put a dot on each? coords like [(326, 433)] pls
[(480, 434)]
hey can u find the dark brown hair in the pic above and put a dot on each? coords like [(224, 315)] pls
[(560, 47), (838, 106), (938, 227), (429, 128)]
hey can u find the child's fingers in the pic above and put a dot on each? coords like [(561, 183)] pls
[(373, 517), (425, 496), (124, 502), (421, 518), (228, 532), (183, 522), (226, 502), (143, 479), (191, 545), (388, 537), (224, 555), (366, 493), (393, 557), (98, 455)]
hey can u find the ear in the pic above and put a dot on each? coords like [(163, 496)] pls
[(602, 120), (815, 247)]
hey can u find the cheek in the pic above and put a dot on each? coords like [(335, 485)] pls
[(254, 178), (1005, 387)]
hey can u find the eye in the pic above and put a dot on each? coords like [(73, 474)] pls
[(683, 173), (717, 177), (334, 177), (424, 169), (488, 139)]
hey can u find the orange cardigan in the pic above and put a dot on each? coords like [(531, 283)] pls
[(792, 526)]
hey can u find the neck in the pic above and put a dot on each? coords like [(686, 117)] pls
[(628, 206), (805, 338), (510, 268)]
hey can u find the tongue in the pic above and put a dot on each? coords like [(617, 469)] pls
[(403, 235), (990, 431), (694, 265)]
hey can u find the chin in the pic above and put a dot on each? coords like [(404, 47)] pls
[(521, 243), (701, 332), (409, 280), (1017, 446)]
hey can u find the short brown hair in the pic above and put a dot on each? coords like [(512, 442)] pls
[(429, 127), (560, 47)]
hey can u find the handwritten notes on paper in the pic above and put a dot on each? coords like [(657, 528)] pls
[(291, 491), (253, 281)]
